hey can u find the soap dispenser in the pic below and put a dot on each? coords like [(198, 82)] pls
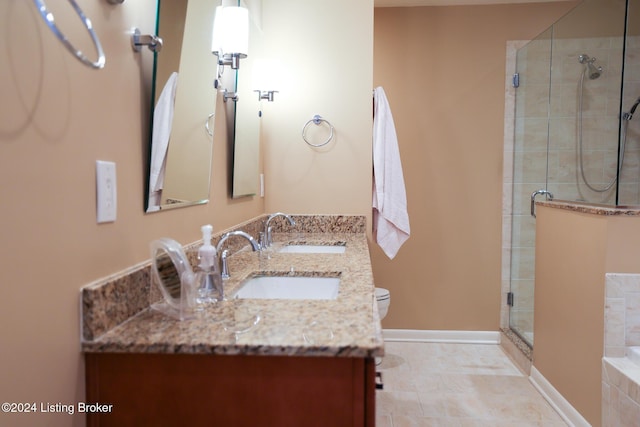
[(208, 281)]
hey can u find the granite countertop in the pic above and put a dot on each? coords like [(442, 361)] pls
[(591, 208), (348, 326)]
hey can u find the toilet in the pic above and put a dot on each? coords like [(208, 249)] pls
[(384, 299)]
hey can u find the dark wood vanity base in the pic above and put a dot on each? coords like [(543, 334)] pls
[(229, 391)]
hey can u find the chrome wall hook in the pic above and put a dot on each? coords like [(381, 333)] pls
[(230, 95), (154, 43)]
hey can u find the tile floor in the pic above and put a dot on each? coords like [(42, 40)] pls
[(457, 385)]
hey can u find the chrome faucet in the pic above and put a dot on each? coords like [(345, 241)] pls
[(265, 237), (224, 267)]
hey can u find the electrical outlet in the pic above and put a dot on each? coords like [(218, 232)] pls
[(106, 194)]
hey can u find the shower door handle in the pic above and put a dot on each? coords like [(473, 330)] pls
[(549, 195)]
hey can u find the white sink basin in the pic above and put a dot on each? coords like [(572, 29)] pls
[(289, 287), (313, 249)]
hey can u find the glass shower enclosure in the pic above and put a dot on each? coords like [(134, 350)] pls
[(572, 140)]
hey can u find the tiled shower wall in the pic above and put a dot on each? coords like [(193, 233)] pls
[(621, 313), (600, 124), (546, 107), (620, 376)]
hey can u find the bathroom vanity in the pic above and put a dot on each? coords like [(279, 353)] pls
[(246, 361), (241, 390)]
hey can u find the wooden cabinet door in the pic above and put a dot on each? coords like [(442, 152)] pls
[(230, 391)]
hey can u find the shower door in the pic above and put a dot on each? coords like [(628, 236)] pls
[(569, 139), (533, 68)]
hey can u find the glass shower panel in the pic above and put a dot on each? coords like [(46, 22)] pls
[(578, 81), (533, 64), (585, 103), (629, 185)]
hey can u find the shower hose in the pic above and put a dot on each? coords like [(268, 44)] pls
[(621, 149)]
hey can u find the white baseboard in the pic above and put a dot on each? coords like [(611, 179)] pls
[(462, 337), (556, 400)]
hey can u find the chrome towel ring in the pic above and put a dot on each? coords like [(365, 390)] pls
[(50, 21), (317, 120)]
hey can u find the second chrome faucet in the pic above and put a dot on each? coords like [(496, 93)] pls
[(265, 236)]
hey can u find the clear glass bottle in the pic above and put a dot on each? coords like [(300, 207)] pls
[(208, 282)]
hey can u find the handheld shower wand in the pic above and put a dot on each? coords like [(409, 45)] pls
[(629, 115)]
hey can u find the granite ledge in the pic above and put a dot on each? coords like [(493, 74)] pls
[(591, 208)]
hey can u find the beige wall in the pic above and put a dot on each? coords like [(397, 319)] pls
[(573, 253), (569, 305), (443, 71), (57, 117), (327, 71)]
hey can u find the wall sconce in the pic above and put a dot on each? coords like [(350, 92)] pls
[(266, 74), (230, 39), (266, 94)]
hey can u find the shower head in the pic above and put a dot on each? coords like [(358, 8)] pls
[(592, 71)]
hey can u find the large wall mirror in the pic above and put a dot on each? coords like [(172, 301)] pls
[(184, 72), (246, 135)]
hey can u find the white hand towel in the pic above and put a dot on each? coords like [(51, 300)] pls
[(162, 120), (390, 218)]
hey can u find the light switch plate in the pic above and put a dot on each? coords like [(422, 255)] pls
[(106, 194)]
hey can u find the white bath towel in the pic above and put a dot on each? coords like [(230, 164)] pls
[(162, 120), (390, 217)]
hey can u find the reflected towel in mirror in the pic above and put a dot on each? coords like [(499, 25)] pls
[(162, 120)]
